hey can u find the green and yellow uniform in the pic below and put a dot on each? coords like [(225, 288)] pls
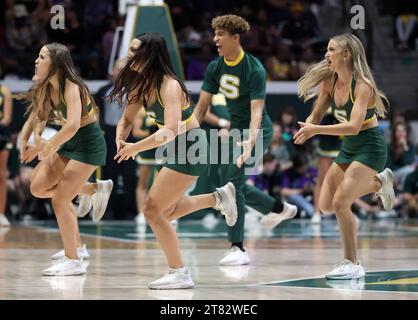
[(368, 146), (180, 154), (329, 146), (148, 157), (88, 144), (4, 130), (241, 81)]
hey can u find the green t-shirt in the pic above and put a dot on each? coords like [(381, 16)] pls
[(240, 81), (411, 183)]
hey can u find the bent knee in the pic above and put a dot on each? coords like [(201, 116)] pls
[(151, 209), (340, 204), (326, 206), (37, 190)]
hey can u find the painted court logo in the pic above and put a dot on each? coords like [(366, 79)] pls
[(390, 280)]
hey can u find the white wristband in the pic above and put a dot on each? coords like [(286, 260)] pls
[(223, 123)]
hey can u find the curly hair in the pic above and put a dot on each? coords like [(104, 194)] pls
[(231, 23)]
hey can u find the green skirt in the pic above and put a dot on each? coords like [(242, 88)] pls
[(188, 153), (146, 157), (88, 146), (329, 146), (368, 147)]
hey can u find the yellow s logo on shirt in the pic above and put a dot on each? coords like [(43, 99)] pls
[(340, 115), (229, 86)]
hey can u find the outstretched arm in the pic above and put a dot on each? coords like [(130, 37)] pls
[(125, 123), (69, 129), (321, 104), (257, 107), (173, 98), (348, 128), (202, 105)]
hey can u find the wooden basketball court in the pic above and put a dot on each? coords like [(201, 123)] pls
[(286, 263)]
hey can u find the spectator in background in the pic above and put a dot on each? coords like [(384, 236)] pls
[(306, 59), (107, 39), (410, 193), (299, 28), (278, 149), (269, 178), (298, 185), (262, 35), (277, 11), (279, 64), (198, 63), (287, 120), (401, 154), (399, 116), (23, 35)]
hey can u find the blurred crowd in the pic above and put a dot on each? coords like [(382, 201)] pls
[(284, 34)]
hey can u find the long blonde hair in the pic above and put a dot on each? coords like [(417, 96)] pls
[(317, 73)]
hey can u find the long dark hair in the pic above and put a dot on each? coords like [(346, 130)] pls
[(62, 64), (153, 62)]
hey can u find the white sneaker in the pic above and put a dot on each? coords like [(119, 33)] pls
[(316, 218), (65, 267), (175, 279), (346, 270), (85, 203), (81, 253), (227, 203), (101, 198), (235, 257), (4, 222), (386, 192), (140, 219), (272, 219)]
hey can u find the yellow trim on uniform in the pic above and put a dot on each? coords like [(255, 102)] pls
[(369, 120), (370, 106), (188, 119), (328, 154), (93, 109), (233, 63), (162, 105), (99, 173)]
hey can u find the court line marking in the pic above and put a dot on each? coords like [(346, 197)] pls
[(349, 289)]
